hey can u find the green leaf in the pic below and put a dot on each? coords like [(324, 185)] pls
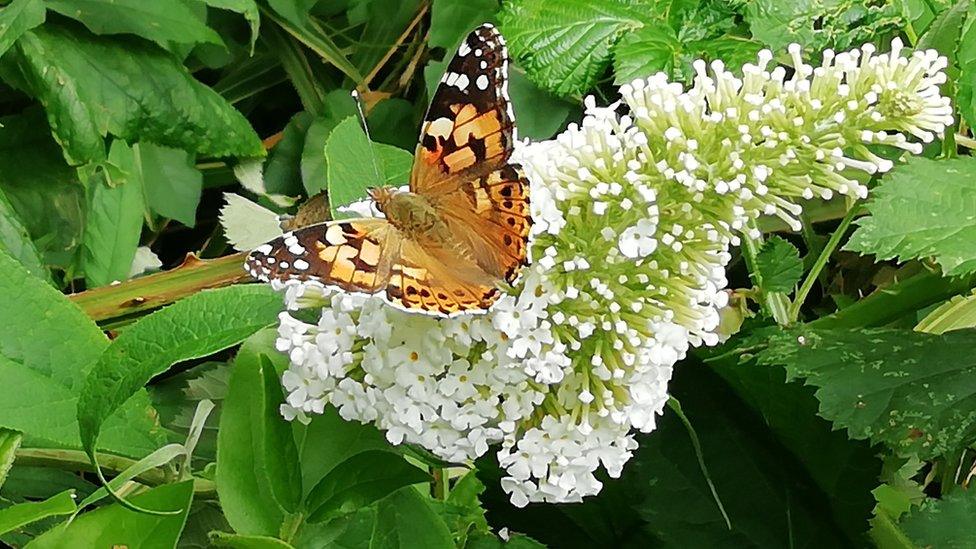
[(956, 314), (355, 164), (247, 8), (9, 442), (914, 392), (450, 21), (779, 265), (643, 52), (965, 57), (161, 22), (945, 522), (171, 180), (339, 105), (923, 209), (235, 541), (462, 511), (114, 525), (16, 242), (156, 459), (124, 97), (328, 440), (17, 516), (538, 113), (247, 225), (44, 192), (359, 481), (385, 21), (296, 21), (565, 46), (194, 327), (17, 18), (405, 520), (816, 25), (258, 473), (115, 215), (45, 354)]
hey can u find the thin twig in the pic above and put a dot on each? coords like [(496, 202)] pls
[(396, 45)]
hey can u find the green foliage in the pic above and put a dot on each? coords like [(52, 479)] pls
[(356, 164), (257, 463), (905, 389), (944, 523), (923, 209), (44, 364), (125, 123), (566, 46), (161, 22), (9, 442), (115, 525), (17, 18), (779, 265), (195, 327), (816, 25), (17, 516), (52, 63)]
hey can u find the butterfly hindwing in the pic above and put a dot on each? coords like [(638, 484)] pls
[(469, 124), (355, 255)]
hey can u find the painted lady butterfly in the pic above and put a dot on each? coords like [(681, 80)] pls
[(448, 244)]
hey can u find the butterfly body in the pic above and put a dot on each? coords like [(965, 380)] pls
[(448, 244)]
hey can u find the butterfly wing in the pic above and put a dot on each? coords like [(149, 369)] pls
[(469, 127), (355, 255), (435, 280), (462, 163)]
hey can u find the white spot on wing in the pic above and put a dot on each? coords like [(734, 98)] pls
[(301, 264), (464, 49), (264, 249), (482, 82), (462, 82)]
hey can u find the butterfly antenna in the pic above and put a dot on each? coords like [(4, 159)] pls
[(372, 149)]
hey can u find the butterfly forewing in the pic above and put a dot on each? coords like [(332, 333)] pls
[(470, 126)]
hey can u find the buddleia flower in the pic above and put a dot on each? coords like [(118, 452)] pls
[(635, 211)]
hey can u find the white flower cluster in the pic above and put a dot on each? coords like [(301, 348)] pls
[(634, 216)]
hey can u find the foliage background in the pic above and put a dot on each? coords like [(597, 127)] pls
[(124, 122)]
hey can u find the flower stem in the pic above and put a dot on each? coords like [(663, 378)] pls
[(821, 262), (676, 408), (116, 303), (440, 483)]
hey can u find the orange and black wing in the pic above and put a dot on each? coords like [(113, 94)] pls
[(355, 255), (469, 128)]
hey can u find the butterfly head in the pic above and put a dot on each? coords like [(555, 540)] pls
[(381, 197)]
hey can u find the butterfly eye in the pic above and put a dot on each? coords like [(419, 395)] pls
[(376, 208)]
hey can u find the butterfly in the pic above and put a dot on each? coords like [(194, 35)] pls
[(450, 243)]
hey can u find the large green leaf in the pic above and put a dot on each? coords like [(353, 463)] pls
[(565, 46), (915, 392), (191, 328), (45, 353), (41, 188), (258, 474), (405, 520), (235, 541), (161, 22), (282, 172), (17, 516), (92, 87), (946, 522), (354, 163), (359, 481), (116, 526), (956, 314), (17, 18), (171, 181), (922, 209), (115, 214)]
